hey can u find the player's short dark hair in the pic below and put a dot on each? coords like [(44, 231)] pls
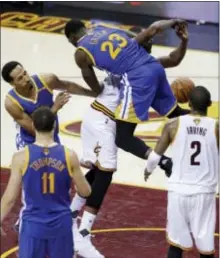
[(200, 99), (73, 26), (7, 69), (43, 119)]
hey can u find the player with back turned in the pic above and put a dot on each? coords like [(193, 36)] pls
[(194, 140), (46, 170)]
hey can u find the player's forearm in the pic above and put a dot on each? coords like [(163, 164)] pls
[(154, 29), (178, 54), (6, 206), (27, 125), (76, 89), (55, 109), (91, 79)]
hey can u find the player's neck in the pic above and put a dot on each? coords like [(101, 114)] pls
[(45, 139), (27, 93), (81, 34), (196, 113)]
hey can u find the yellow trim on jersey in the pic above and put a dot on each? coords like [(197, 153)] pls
[(131, 117), (99, 107), (26, 162), (177, 129), (45, 84), (67, 156), (15, 101), (171, 110), (177, 245), (88, 53)]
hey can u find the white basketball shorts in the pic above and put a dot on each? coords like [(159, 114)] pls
[(191, 216), (98, 141)]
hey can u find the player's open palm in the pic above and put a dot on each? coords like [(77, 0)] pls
[(61, 99)]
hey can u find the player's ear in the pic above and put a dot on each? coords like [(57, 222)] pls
[(210, 103)]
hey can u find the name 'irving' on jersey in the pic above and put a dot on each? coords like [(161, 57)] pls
[(196, 130), (113, 50)]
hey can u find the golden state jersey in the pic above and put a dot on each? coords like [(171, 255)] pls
[(44, 98), (46, 183), (112, 50)]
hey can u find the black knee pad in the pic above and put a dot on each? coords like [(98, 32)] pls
[(100, 186), (207, 256), (174, 252), (124, 132), (90, 176)]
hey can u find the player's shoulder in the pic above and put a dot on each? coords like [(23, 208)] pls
[(171, 123), (20, 156), (48, 77), (70, 154), (12, 104)]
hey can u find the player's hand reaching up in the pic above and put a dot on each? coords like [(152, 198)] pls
[(179, 22), (61, 99), (181, 31)]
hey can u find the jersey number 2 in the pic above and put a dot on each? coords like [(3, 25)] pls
[(197, 146), (48, 183), (108, 45)]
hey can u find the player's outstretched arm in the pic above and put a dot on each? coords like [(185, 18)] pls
[(13, 188), (19, 115), (54, 83), (156, 28), (86, 66), (82, 186), (176, 56), (168, 134)]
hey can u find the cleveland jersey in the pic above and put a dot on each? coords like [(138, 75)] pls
[(109, 97), (195, 156), (112, 50), (46, 183), (44, 97)]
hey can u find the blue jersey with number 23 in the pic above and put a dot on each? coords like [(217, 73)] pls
[(112, 50)]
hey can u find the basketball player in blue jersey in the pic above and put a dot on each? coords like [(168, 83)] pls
[(46, 170), (144, 82), (31, 92)]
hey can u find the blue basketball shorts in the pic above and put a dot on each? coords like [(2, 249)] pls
[(56, 247), (143, 88)]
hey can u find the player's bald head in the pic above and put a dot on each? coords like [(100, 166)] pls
[(73, 27), (200, 99)]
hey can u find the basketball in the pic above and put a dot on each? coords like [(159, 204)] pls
[(181, 88)]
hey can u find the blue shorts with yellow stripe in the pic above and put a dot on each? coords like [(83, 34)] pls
[(143, 88)]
